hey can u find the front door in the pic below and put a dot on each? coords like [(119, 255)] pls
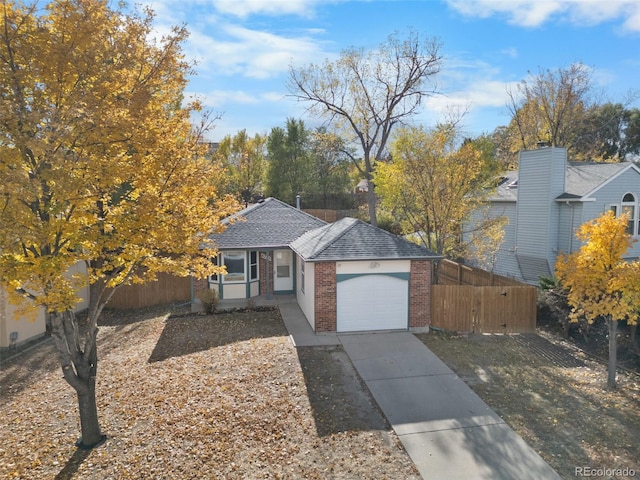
[(282, 270)]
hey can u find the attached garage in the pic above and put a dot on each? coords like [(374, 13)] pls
[(355, 277), (372, 302)]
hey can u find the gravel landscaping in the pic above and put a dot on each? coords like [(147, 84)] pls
[(194, 396), (554, 396)]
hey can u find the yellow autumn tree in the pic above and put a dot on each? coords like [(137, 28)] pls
[(434, 182), (244, 159), (599, 282), (99, 164)]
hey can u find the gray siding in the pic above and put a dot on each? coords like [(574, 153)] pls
[(612, 193), (571, 215), (541, 179), (505, 262)]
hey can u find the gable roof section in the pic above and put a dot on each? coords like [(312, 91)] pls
[(353, 239), (584, 179), (268, 224), (581, 180)]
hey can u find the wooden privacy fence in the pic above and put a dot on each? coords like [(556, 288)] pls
[(167, 289), (468, 299), (453, 273), (464, 308)]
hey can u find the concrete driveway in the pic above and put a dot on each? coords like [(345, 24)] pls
[(446, 429)]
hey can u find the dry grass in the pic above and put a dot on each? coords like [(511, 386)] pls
[(552, 395), (222, 396)]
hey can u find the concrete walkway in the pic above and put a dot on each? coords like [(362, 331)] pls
[(447, 430)]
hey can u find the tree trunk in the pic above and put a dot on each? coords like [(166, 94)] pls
[(371, 200), (78, 358), (633, 335), (613, 332), (89, 425)]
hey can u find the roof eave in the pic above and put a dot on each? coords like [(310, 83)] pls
[(256, 247), (369, 259), (575, 199)]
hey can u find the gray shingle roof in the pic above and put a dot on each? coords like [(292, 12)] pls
[(352, 239), (584, 178), (506, 191), (580, 180), (268, 224)]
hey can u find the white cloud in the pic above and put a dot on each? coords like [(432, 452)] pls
[(511, 52), (474, 95), (244, 8), (261, 54), (533, 13), (231, 49), (221, 99)]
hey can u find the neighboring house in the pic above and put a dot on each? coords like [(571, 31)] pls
[(346, 276), (15, 330), (548, 198), (362, 186)]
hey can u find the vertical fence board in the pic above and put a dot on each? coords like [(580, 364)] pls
[(167, 289), (468, 299)]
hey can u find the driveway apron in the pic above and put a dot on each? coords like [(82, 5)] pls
[(447, 430)]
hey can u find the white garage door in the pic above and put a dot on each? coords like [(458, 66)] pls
[(372, 302)]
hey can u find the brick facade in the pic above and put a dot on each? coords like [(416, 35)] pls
[(420, 295), (325, 297), (199, 285), (262, 262)]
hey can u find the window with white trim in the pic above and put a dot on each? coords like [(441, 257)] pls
[(235, 263), (630, 207), (302, 276)]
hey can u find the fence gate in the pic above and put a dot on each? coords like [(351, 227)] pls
[(465, 308)]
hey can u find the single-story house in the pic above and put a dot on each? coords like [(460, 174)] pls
[(548, 198), (346, 276)]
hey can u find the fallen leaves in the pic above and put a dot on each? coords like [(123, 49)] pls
[(552, 395), (223, 396)]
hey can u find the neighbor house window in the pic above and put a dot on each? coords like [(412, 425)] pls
[(253, 265), (302, 276), (629, 207), (234, 261)]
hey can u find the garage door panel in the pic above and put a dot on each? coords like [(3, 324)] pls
[(372, 302)]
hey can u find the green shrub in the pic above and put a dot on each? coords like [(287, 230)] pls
[(209, 299)]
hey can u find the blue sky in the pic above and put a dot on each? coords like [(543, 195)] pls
[(243, 50)]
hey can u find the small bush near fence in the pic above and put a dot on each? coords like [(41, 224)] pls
[(210, 300)]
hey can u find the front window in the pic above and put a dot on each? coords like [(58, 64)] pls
[(302, 276), (214, 278), (630, 208), (235, 263), (253, 265)]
